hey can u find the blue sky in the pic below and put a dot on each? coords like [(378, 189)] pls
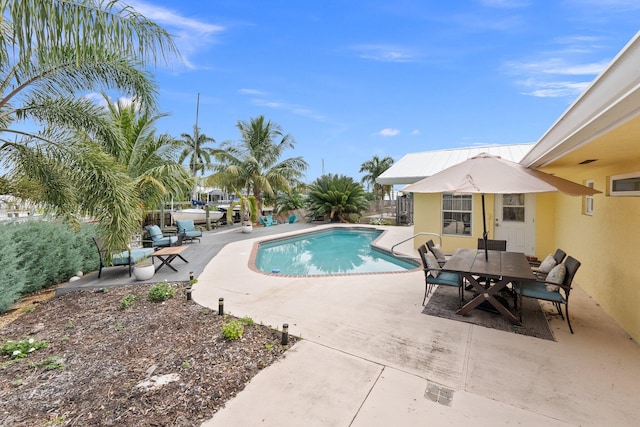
[(353, 79)]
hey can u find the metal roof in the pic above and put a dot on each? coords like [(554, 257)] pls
[(415, 166)]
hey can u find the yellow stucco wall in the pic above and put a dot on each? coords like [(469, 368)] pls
[(545, 223), (607, 243), (427, 217)]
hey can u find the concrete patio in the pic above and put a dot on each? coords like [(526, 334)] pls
[(369, 357)]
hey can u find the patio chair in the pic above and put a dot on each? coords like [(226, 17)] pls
[(493, 245), (435, 250), (542, 269), (293, 218), (158, 239), (124, 257), (551, 290), (188, 231), (433, 275), (268, 221)]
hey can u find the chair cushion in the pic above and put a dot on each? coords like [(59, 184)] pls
[(432, 262), (154, 232), (556, 275), (437, 251), (538, 290), (546, 265), (185, 225), (446, 278), (165, 241), (194, 233), (122, 258)]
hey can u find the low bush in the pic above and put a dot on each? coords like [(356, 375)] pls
[(38, 254), (161, 292), (232, 330)]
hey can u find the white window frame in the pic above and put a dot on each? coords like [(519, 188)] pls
[(458, 212), (617, 193), (588, 200)]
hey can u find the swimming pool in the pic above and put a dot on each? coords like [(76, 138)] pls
[(335, 251)]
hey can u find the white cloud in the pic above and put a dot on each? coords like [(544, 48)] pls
[(98, 99), (255, 92), (561, 67), (388, 132), (385, 53), (292, 108), (190, 35), (558, 89)]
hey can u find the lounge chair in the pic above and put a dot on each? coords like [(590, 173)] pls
[(158, 239), (124, 257), (187, 229), (268, 221), (555, 289), (293, 218)]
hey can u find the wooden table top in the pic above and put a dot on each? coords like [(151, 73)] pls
[(170, 250), (500, 264)]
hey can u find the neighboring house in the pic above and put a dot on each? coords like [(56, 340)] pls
[(595, 142)]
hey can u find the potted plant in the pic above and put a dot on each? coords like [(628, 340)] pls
[(248, 212), (144, 269)]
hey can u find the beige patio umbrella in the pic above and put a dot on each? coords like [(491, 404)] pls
[(486, 173)]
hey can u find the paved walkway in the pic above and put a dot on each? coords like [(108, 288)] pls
[(198, 254), (369, 357)]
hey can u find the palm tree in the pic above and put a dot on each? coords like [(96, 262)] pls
[(147, 158), (336, 196), (374, 168), (255, 164), (198, 154), (52, 52)]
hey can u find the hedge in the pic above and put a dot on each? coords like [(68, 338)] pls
[(38, 254)]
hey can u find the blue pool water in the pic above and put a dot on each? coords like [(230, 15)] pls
[(333, 251)]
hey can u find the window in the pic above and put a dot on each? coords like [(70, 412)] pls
[(513, 207), (625, 185), (456, 214), (588, 200)]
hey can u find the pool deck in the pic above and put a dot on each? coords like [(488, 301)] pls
[(369, 357)]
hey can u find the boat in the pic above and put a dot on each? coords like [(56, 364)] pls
[(199, 216)]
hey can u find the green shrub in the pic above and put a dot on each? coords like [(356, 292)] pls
[(161, 292), (38, 254), (126, 302), (20, 349), (232, 330)]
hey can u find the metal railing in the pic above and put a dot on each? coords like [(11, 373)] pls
[(422, 233)]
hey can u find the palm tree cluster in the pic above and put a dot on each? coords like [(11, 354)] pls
[(75, 157), (52, 53), (255, 165), (374, 168)]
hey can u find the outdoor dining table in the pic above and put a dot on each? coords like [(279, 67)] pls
[(504, 267)]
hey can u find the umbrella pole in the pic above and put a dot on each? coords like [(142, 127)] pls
[(484, 231)]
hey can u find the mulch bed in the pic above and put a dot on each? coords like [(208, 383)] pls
[(103, 364)]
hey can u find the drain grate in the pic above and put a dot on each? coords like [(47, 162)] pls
[(436, 393)]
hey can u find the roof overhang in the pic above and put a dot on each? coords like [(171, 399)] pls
[(610, 102)]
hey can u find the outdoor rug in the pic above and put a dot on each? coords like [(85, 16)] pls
[(444, 303)]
